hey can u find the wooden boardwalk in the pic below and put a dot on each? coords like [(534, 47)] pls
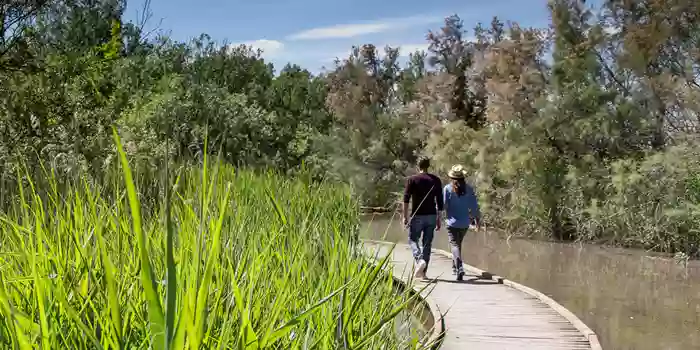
[(484, 314)]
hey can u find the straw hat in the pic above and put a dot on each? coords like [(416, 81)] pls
[(457, 172)]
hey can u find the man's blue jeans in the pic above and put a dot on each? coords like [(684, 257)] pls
[(422, 225)]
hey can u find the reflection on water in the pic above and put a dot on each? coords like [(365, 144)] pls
[(630, 299)]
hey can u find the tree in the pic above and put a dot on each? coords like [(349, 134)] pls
[(364, 96), (299, 101), (72, 26), (16, 16), (452, 54), (411, 75), (655, 53)]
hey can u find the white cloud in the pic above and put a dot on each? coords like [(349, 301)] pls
[(341, 31), (351, 30), (269, 47)]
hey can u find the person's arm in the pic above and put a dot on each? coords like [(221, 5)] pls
[(440, 202), (406, 199), (445, 194), (445, 200)]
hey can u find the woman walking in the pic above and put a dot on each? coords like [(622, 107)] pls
[(461, 207)]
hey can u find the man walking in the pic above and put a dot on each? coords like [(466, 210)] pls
[(424, 190)]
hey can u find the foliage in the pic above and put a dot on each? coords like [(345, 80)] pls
[(228, 258), (546, 118)]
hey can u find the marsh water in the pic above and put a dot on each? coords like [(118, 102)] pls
[(631, 299), (414, 323)]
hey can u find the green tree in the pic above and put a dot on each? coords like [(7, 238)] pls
[(453, 54)]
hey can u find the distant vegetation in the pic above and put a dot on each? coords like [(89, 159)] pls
[(597, 143)]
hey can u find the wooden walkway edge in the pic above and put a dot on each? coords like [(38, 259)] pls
[(485, 311)]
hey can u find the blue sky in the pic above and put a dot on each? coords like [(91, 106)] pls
[(312, 33)]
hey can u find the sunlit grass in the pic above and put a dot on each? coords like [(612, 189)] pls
[(229, 260)]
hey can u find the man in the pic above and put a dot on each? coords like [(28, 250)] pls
[(424, 190)]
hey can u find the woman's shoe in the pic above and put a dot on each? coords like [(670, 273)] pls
[(460, 274)]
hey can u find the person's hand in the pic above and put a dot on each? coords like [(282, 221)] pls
[(478, 225), (405, 221), (438, 225)]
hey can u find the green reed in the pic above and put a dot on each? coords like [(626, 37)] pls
[(229, 259)]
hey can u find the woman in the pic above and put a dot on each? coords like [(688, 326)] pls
[(461, 207)]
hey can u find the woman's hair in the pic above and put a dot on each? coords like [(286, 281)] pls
[(459, 186)]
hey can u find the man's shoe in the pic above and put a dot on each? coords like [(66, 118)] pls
[(420, 269)]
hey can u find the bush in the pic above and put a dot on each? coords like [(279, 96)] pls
[(649, 203)]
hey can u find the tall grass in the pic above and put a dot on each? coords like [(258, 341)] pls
[(228, 260)]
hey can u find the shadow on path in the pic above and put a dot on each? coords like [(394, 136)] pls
[(475, 281)]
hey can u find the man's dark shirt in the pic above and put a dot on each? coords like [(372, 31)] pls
[(425, 188)]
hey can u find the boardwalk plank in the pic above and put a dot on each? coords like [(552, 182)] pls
[(481, 314)]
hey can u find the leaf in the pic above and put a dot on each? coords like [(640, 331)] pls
[(276, 205), (281, 331), (112, 296), (203, 292), (155, 311)]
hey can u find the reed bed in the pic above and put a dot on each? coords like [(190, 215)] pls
[(228, 259)]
